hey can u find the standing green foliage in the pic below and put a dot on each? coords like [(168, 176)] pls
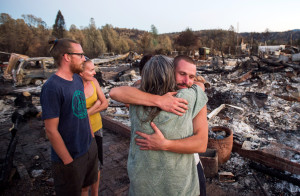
[(33, 21), (37, 36), (7, 33), (154, 31), (94, 41), (165, 45), (59, 26), (111, 38), (28, 38), (77, 34), (146, 44)]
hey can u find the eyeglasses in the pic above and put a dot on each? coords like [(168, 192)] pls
[(72, 53)]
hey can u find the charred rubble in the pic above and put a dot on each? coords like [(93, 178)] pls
[(256, 97)]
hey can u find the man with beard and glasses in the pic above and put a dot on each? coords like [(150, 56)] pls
[(73, 147), (185, 75)]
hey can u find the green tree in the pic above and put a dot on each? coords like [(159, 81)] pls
[(94, 42), (111, 38), (154, 33), (165, 44), (24, 37), (131, 44), (146, 44), (78, 35), (7, 33), (59, 26), (37, 37), (123, 46), (33, 21)]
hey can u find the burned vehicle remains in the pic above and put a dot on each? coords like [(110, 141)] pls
[(33, 70)]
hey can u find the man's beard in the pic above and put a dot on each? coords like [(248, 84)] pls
[(75, 68), (182, 84)]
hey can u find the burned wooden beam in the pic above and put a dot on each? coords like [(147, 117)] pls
[(260, 185), (244, 77), (272, 63), (271, 158), (292, 66), (275, 173), (289, 97), (109, 123)]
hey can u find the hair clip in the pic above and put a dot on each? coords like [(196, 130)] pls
[(55, 42)]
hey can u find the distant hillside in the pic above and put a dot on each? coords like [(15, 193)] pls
[(275, 37), (133, 34), (269, 37)]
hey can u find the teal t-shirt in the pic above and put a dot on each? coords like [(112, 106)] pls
[(163, 172)]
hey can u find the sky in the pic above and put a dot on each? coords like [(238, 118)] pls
[(166, 15)]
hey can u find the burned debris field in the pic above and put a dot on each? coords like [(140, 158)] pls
[(255, 97)]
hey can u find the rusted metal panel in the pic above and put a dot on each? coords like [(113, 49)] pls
[(269, 157), (109, 123)]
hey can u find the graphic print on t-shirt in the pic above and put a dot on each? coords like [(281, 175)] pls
[(79, 105)]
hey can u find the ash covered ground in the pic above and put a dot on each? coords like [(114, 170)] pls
[(261, 123)]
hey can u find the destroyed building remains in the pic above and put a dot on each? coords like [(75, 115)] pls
[(256, 97)]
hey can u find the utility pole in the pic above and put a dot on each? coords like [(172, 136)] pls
[(237, 38)]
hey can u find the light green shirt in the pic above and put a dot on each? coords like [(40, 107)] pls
[(162, 172)]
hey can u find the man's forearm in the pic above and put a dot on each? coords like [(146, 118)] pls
[(57, 141), (192, 144), (157, 141), (59, 147), (197, 142), (167, 102), (131, 95)]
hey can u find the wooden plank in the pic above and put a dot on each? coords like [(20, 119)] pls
[(109, 123), (270, 157)]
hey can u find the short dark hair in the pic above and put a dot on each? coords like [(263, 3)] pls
[(60, 47), (183, 57)]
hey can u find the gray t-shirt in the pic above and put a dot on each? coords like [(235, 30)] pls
[(163, 172)]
